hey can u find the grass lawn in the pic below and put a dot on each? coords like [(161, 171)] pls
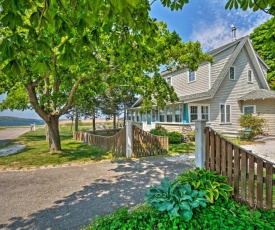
[(37, 153), (182, 148)]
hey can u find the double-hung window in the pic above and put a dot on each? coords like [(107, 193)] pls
[(249, 76), (161, 115), (191, 76), (232, 73), (225, 112), (169, 114), (178, 114), (138, 117), (204, 113), (193, 113)]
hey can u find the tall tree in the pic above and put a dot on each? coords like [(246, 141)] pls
[(265, 49), (49, 48)]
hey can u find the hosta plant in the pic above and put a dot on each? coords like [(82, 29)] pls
[(213, 184), (175, 198)]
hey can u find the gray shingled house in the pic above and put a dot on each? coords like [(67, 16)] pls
[(220, 92)]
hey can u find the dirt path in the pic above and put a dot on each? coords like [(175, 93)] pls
[(10, 134), (70, 197)]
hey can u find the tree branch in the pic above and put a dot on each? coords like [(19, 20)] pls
[(65, 11), (264, 10)]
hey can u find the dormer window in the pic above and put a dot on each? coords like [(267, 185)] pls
[(232, 73), (169, 80), (191, 76), (249, 76)]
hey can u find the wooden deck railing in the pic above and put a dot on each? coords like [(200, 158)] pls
[(146, 144), (250, 175)]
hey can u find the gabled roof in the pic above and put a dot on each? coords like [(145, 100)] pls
[(240, 43), (258, 94)]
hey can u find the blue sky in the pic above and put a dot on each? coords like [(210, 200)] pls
[(200, 20)]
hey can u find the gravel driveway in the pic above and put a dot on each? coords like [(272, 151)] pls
[(70, 197)]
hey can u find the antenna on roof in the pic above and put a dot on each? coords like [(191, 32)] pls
[(233, 28)]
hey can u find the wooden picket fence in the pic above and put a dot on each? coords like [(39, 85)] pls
[(105, 132), (250, 175), (116, 143), (143, 143), (146, 144)]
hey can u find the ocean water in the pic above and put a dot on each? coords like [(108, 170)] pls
[(25, 122)]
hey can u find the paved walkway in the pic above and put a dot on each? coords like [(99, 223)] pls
[(10, 134), (70, 197)]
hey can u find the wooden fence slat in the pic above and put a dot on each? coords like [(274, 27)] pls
[(251, 184), (243, 175), (223, 157), (259, 183), (269, 187), (212, 151), (218, 154), (236, 172), (229, 163)]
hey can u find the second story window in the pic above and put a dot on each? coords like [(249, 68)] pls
[(191, 76), (169, 80), (232, 73), (249, 76)]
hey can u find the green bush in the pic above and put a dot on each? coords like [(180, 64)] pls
[(253, 126), (204, 180), (220, 215), (176, 199), (175, 137), (159, 131)]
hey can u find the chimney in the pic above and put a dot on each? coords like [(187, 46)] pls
[(233, 28)]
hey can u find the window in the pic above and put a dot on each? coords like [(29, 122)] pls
[(169, 114), (232, 73), (138, 116), (178, 114), (129, 115), (249, 76), (161, 115), (249, 109), (193, 113), (191, 76), (154, 115), (204, 113), (225, 113), (169, 80)]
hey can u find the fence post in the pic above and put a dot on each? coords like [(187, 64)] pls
[(85, 137), (129, 139), (200, 143)]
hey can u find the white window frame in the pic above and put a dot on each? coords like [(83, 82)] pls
[(168, 108), (254, 108), (181, 113), (225, 113), (169, 81), (188, 75), (163, 113), (251, 80), (234, 73), (199, 115)]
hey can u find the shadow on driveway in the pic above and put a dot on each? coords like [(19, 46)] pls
[(123, 183)]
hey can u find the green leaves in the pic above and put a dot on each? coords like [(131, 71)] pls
[(176, 199)]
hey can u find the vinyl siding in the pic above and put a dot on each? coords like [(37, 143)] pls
[(266, 110), (219, 62), (230, 91), (181, 85)]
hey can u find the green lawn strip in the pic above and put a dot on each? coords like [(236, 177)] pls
[(37, 153), (221, 215), (182, 148)]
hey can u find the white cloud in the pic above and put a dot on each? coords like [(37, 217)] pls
[(213, 30)]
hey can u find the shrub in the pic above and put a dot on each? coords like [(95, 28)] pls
[(253, 124), (204, 180), (176, 199), (159, 131), (175, 137)]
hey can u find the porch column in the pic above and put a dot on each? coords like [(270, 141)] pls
[(129, 139), (200, 143)]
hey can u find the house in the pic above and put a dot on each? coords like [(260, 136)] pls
[(219, 92)]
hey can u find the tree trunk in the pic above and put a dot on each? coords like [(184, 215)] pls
[(47, 132), (76, 121), (54, 137), (72, 123), (114, 121), (124, 114), (93, 117)]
